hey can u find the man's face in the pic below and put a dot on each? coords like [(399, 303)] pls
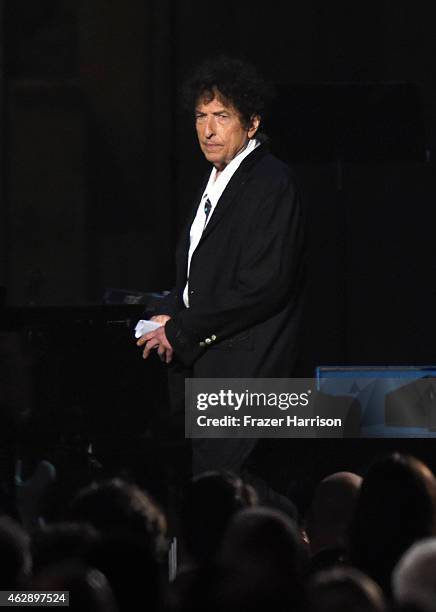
[(220, 132)]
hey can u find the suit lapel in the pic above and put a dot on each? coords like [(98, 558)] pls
[(236, 183)]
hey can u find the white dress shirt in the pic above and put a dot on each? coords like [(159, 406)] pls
[(213, 192)]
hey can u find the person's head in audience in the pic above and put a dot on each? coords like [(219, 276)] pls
[(210, 501), (330, 512), (89, 589), (61, 541), (15, 558), (132, 570), (343, 589), (114, 506), (394, 509), (262, 548), (414, 576)]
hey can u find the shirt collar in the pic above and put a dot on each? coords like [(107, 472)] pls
[(216, 186)]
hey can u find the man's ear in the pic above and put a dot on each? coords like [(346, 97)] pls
[(254, 124)]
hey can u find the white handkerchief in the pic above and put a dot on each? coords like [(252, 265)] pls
[(143, 327)]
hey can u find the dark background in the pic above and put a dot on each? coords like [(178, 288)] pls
[(99, 166)]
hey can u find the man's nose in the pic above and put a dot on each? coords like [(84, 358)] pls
[(209, 129)]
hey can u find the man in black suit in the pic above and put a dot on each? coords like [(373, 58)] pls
[(236, 307)]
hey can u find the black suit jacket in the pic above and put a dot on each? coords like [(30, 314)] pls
[(245, 293), (245, 280)]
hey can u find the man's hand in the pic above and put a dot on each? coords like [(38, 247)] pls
[(162, 319), (157, 340)]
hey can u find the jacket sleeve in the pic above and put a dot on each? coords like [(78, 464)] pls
[(269, 265)]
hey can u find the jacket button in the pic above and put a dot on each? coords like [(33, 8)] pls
[(208, 340), (202, 344), (213, 338)]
